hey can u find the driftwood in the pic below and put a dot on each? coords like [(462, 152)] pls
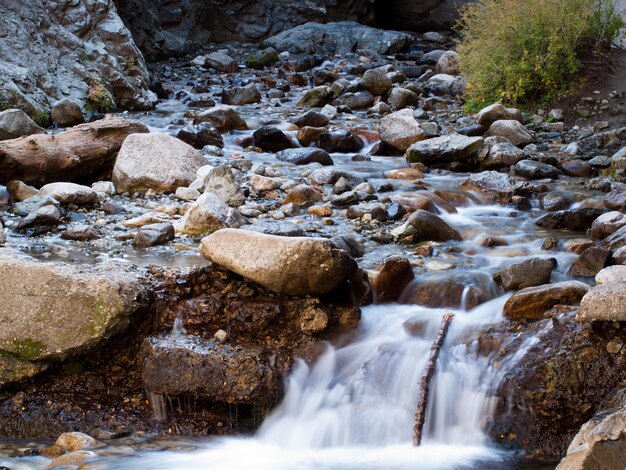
[(80, 154), (422, 404)]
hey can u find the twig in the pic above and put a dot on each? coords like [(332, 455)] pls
[(420, 412)]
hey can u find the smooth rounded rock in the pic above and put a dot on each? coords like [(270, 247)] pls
[(533, 302)]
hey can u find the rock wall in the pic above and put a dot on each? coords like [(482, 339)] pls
[(166, 27), (79, 49), (418, 15)]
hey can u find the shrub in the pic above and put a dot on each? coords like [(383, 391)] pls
[(524, 51), (98, 98)]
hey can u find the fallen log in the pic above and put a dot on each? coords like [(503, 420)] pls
[(81, 154), (431, 364)]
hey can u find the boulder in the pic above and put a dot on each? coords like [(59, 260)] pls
[(610, 274), (302, 194), (221, 182), (80, 154), (359, 100), (534, 170), (208, 214), (311, 119), (73, 441), (607, 224), (200, 135), (497, 112), (238, 96), (16, 370), (20, 191), (444, 149), (339, 140), (604, 302), (576, 220), (425, 226), (400, 98), (155, 161), (304, 156), (400, 130), (223, 118), (395, 273), (191, 366), (45, 216), (600, 444), (271, 139), (221, 61), (286, 265), (512, 130), (154, 234), (448, 63), (532, 303), (70, 193), (444, 84), (16, 123), (317, 97), (502, 155), (590, 262), (459, 291), (80, 232), (527, 273), (76, 50), (375, 81), (67, 113), (616, 200), (79, 308), (338, 38), (491, 185)]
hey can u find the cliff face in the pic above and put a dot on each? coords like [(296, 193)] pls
[(418, 15), (174, 27), (53, 49)]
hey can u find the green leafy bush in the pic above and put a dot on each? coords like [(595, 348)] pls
[(525, 51)]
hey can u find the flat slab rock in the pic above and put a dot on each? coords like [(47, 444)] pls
[(533, 302), (445, 149), (286, 265), (190, 365)]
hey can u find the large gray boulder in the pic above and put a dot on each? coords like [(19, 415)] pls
[(79, 50), (338, 38), (400, 130), (155, 161), (444, 149), (604, 302), (16, 123), (286, 265), (52, 312)]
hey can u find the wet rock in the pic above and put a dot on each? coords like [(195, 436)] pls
[(191, 366), (281, 229), (590, 262), (201, 135), (308, 136), (74, 441), (339, 140), (238, 96), (221, 181), (67, 112), (536, 170), (3, 237), (223, 118), (444, 149), (155, 161), (82, 153), (304, 156), (33, 203), (262, 59), (512, 130), (400, 130), (395, 273), (557, 385), (444, 84), (221, 62), (604, 302), (80, 232), (576, 220), (105, 187), (311, 119), (502, 155), (616, 200), (464, 291), (207, 215), (286, 265), (374, 210), (45, 216), (553, 202), (338, 38), (70, 193), (317, 97), (409, 173), (491, 185), (20, 191), (84, 305), (400, 98), (154, 234), (271, 139), (600, 443), (413, 202), (349, 244), (375, 81), (578, 168), (359, 100), (302, 194), (527, 273), (532, 303), (346, 198), (425, 226), (16, 123), (475, 130), (73, 459), (497, 112), (263, 183)]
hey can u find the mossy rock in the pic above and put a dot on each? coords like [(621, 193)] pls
[(263, 59)]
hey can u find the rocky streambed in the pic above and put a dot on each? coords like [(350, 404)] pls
[(162, 269)]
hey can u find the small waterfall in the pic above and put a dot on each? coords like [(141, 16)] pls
[(159, 409), (179, 327)]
